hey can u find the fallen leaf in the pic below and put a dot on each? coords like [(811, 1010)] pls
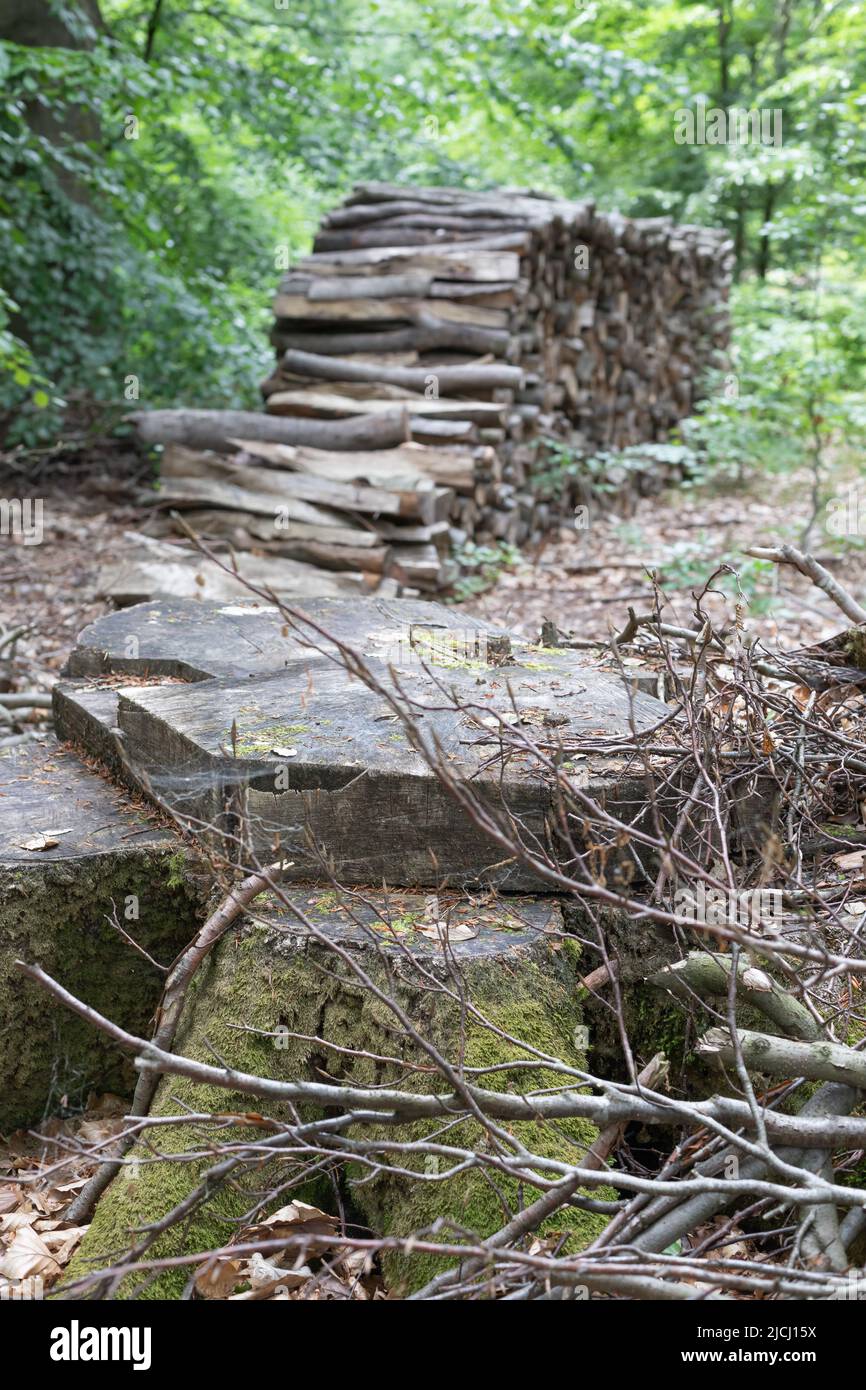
[(440, 931), (40, 841), (28, 1254), (219, 1279)]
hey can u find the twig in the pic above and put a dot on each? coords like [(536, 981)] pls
[(810, 567)]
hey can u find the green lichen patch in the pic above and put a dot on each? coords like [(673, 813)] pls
[(255, 741)]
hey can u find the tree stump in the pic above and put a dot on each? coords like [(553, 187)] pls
[(274, 999), (102, 855)]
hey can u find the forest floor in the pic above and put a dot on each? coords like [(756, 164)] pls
[(584, 581)]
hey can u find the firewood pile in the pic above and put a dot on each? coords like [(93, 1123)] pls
[(427, 350)]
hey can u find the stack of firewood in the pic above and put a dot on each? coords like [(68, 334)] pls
[(501, 321), (307, 506), (427, 351)]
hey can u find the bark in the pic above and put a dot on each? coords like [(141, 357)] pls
[(215, 429)]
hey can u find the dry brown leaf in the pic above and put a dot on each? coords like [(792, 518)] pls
[(219, 1279), (441, 931), (40, 841), (63, 1244), (28, 1254), (9, 1199)]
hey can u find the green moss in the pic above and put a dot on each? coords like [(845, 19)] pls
[(327, 902), (259, 979), (177, 869), (57, 915), (855, 647), (471, 1202), (263, 740), (854, 833), (446, 649)]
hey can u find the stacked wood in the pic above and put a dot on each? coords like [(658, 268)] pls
[(380, 516), (427, 350), (150, 567), (500, 320)]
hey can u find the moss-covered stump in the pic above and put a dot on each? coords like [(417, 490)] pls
[(56, 903), (297, 996)]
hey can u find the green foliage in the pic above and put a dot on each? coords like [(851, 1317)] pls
[(482, 565), (160, 163)]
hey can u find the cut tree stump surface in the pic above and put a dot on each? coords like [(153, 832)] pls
[(254, 732), (426, 925), (44, 789), (269, 1002)]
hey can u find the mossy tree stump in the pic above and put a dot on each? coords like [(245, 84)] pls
[(275, 1001)]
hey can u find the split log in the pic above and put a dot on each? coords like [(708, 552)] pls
[(454, 261), (328, 405), (170, 570), (450, 467), (276, 530), (291, 307), (414, 284), (426, 503)]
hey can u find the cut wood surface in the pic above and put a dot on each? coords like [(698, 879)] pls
[(295, 306), (451, 467), (154, 569), (427, 503), (445, 262)]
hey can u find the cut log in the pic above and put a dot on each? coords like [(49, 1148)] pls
[(289, 307), (177, 573), (449, 467), (414, 284), (451, 262), (214, 429), (464, 380), (259, 528), (425, 503), (56, 910), (327, 405)]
